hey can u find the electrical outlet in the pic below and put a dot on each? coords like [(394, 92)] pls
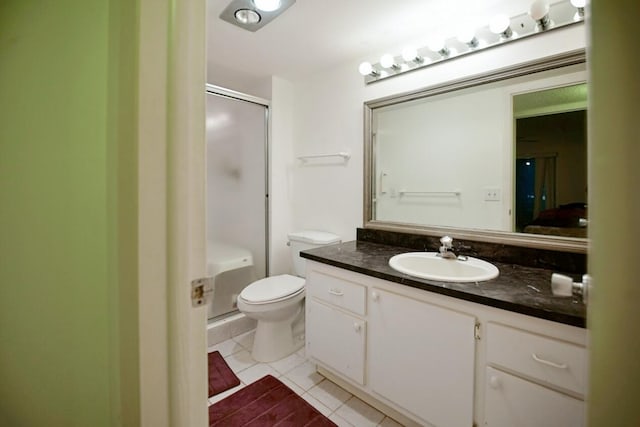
[(492, 194)]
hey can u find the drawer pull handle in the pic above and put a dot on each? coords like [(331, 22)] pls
[(547, 362), (357, 327), (336, 292), (375, 296)]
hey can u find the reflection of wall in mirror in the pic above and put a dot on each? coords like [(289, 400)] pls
[(426, 148)]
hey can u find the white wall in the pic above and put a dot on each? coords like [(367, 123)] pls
[(281, 166), (239, 81), (329, 117)]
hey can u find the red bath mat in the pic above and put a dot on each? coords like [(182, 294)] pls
[(221, 377), (266, 403)]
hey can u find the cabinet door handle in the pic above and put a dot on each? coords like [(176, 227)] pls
[(549, 363), (357, 327), (375, 296), (336, 292)]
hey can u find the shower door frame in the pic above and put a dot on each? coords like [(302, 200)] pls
[(215, 90)]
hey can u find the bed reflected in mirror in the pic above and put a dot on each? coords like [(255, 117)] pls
[(551, 161)]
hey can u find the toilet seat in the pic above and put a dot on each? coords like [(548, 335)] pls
[(272, 289)]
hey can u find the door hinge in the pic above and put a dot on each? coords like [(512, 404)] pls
[(476, 331), (201, 291)]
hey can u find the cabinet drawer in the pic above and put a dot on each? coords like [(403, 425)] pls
[(540, 358), (338, 292), (511, 401)]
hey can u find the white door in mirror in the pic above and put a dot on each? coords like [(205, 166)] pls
[(429, 265)]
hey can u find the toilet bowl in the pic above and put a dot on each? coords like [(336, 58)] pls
[(276, 311), (277, 302)]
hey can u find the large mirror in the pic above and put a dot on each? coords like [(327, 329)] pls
[(498, 157)]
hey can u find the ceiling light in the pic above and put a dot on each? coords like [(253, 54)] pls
[(252, 15), (247, 16), (539, 11), (267, 5)]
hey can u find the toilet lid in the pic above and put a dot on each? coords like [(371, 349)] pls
[(272, 288)]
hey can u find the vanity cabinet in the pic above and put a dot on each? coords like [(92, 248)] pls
[(533, 380), (335, 328), (421, 357), (433, 360)]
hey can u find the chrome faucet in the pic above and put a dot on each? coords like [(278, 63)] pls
[(446, 250)]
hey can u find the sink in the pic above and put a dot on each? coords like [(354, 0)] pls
[(427, 265)]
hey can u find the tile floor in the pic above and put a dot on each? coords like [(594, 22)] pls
[(300, 375)]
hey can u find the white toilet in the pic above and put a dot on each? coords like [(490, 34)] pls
[(277, 302)]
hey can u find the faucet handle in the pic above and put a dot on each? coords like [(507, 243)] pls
[(446, 241)]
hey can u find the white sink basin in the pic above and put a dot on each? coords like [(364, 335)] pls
[(427, 265)]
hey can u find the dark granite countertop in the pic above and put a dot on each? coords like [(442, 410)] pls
[(520, 289)]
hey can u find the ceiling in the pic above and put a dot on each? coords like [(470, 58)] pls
[(317, 34)]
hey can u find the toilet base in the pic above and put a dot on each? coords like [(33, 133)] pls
[(274, 341)]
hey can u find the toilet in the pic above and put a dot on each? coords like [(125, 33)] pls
[(277, 302)]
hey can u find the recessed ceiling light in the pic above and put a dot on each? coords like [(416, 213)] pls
[(267, 5), (247, 16), (252, 15)]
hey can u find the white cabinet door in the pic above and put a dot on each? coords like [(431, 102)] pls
[(513, 402), (421, 357), (336, 339)]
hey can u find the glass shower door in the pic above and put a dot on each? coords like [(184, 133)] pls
[(237, 211)]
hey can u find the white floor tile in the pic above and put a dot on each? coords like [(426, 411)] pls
[(246, 339), (358, 413), (256, 372), (288, 363), (317, 404), (388, 422), (240, 361), (305, 375), (226, 348), (329, 394), (218, 397), (341, 422), (293, 386)]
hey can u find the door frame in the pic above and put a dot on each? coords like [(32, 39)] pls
[(171, 118)]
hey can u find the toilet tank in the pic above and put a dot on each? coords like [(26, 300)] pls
[(308, 239)]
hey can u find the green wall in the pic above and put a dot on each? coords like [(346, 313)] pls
[(61, 216)]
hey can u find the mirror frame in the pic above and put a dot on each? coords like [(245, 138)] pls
[(565, 244)]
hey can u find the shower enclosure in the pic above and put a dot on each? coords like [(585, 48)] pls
[(237, 199)]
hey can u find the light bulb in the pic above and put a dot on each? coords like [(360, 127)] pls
[(436, 44), (539, 9), (409, 54), (468, 37), (267, 5), (578, 3), (365, 68), (386, 61), (499, 24)]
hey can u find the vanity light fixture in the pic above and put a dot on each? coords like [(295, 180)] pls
[(473, 38), (387, 61), (539, 11), (366, 69), (252, 15), (468, 37), (579, 5), (437, 44), (410, 54), (501, 25)]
